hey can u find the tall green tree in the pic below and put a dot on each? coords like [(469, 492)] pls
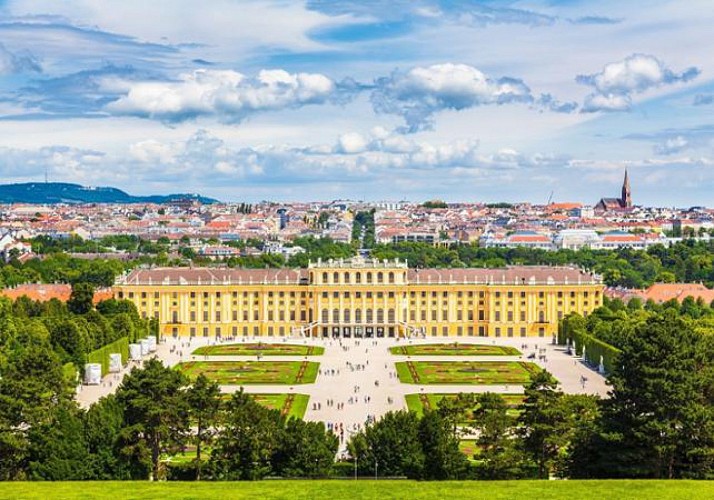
[(540, 422), (442, 457), (247, 441), (391, 444), (155, 410), (81, 298), (204, 403), (659, 420), (499, 456)]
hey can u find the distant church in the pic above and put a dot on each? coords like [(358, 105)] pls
[(622, 203)]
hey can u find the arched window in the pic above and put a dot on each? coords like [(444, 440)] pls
[(391, 318), (358, 315), (335, 315), (347, 316), (358, 277), (369, 277), (541, 317), (324, 278), (335, 277), (380, 315), (369, 316), (325, 316), (347, 277), (380, 277), (391, 277)]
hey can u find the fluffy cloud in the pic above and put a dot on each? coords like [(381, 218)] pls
[(614, 86), (671, 145), (225, 94), (11, 63), (422, 91)]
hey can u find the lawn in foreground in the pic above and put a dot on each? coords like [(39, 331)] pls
[(259, 348), (455, 349), (363, 489), (253, 372), (466, 372), (419, 402)]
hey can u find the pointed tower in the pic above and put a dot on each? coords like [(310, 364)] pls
[(626, 199)]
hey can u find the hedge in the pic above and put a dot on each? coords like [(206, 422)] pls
[(594, 347), (101, 355), (69, 371)]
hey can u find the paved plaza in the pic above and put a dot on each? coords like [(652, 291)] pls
[(357, 377)]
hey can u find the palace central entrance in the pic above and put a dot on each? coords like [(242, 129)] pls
[(358, 331)]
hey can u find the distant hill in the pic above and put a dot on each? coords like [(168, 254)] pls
[(61, 192)]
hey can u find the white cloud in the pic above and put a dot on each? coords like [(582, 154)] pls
[(225, 94), (671, 145), (615, 84), (351, 143), (422, 91)]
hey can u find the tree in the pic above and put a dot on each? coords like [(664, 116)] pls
[(58, 448), (499, 457), (454, 410), (305, 450), (392, 444), (204, 402), (659, 420), (155, 409), (442, 457), (539, 422), (81, 299), (247, 441)]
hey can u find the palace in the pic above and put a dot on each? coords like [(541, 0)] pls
[(360, 298)]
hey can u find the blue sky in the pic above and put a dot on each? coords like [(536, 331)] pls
[(409, 99)]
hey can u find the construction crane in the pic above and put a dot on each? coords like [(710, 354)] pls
[(550, 198)]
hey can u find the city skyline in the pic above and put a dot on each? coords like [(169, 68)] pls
[(294, 101)]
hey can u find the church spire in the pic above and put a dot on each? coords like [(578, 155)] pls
[(626, 199)]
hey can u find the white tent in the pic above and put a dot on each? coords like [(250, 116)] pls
[(92, 374), (114, 362), (135, 352)]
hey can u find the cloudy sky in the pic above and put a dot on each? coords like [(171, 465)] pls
[(466, 100)]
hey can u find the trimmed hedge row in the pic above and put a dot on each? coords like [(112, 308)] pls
[(572, 329), (101, 355)]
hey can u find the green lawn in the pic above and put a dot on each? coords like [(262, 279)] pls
[(255, 349), (465, 372), (363, 489), (455, 349), (415, 402), (292, 408), (253, 372)]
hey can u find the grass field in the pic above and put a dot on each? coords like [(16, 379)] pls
[(465, 372), (259, 348), (253, 372), (416, 403), (363, 489), (290, 408), (455, 349)]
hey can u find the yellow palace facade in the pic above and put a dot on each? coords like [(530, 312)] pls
[(361, 298)]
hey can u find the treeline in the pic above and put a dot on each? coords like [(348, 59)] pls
[(155, 413), (658, 421), (70, 331), (532, 444), (688, 261)]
